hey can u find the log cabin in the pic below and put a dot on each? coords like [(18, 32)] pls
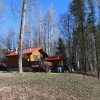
[(54, 62), (30, 59)]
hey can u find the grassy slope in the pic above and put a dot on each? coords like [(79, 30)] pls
[(42, 86)]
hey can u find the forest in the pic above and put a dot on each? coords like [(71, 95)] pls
[(75, 34)]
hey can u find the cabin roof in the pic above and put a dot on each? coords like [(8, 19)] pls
[(27, 51), (52, 58)]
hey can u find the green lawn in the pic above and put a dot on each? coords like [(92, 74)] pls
[(48, 86)]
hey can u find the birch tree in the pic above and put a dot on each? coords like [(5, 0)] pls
[(42, 30), (31, 18), (25, 6), (20, 43), (10, 40), (51, 29), (28, 37)]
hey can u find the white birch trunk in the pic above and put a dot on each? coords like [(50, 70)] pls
[(21, 37)]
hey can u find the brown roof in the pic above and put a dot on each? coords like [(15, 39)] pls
[(52, 58)]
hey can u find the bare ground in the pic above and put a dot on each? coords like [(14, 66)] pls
[(43, 86)]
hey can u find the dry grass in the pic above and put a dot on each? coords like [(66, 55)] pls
[(43, 86)]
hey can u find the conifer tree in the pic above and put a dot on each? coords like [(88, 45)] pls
[(61, 49), (77, 9)]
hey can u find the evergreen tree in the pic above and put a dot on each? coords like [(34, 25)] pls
[(61, 49), (77, 9)]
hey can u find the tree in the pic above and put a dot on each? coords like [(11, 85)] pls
[(98, 43), (10, 40), (66, 29), (22, 30), (3, 9), (77, 9), (2, 41), (61, 49), (90, 37), (28, 37), (21, 36), (42, 23), (30, 24), (51, 29), (41, 31)]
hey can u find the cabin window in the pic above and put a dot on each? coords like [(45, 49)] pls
[(27, 57), (37, 58)]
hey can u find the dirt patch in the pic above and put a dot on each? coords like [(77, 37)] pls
[(49, 87)]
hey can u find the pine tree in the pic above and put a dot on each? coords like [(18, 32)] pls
[(77, 9), (61, 49)]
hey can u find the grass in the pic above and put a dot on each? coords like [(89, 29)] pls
[(15, 78), (48, 86)]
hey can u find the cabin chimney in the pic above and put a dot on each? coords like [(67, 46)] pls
[(11, 50), (16, 50), (30, 49)]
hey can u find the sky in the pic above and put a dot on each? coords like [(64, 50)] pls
[(11, 9), (60, 5), (11, 19)]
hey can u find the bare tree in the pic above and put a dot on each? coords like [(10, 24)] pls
[(22, 29), (21, 36), (31, 17), (28, 38), (3, 10), (10, 40), (98, 43), (51, 29), (42, 30), (2, 40)]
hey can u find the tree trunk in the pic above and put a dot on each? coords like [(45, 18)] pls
[(21, 37), (98, 45)]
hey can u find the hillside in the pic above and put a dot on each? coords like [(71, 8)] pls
[(42, 86)]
